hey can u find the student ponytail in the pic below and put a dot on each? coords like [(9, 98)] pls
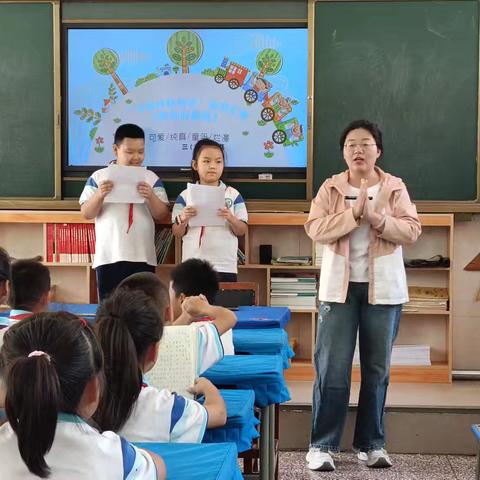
[(122, 372), (32, 405), (47, 361), (128, 322)]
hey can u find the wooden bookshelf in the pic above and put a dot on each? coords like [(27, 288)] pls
[(22, 233)]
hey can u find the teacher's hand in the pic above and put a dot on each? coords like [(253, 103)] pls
[(383, 195), (359, 205)]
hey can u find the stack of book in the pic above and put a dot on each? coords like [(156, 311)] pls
[(294, 290), (318, 254), (426, 298), (163, 240), (404, 355), (292, 260), (70, 242)]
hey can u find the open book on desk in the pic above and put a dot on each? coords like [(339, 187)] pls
[(176, 366)]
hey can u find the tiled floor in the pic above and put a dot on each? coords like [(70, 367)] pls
[(405, 467)]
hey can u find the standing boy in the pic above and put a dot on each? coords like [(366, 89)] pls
[(124, 232)]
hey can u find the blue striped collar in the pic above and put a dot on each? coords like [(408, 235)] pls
[(70, 418), (14, 312)]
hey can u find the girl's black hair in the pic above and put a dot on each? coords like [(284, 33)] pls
[(39, 387), (197, 149), (127, 323)]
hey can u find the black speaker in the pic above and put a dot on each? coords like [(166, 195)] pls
[(265, 254)]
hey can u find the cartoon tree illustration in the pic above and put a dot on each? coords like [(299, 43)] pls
[(269, 62), (105, 62), (185, 48)]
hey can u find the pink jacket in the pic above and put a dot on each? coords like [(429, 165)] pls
[(330, 222)]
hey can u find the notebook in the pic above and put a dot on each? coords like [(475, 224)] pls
[(176, 365)]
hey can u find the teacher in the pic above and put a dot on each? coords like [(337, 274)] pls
[(363, 216)]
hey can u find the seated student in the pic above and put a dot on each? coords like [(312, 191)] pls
[(52, 364), (129, 328), (222, 320), (196, 277), (5, 275), (30, 289)]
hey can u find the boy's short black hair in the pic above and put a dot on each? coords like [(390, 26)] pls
[(128, 130), (195, 277), (5, 267), (30, 281), (371, 127)]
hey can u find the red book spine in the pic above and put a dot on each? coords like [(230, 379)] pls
[(50, 241)]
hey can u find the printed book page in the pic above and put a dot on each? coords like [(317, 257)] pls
[(176, 365)]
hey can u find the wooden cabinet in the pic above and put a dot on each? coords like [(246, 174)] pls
[(23, 234)]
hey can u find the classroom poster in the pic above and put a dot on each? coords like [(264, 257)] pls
[(245, 88)]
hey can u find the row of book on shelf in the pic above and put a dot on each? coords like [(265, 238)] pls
[(70, 242), (293, 290), (404, 355)]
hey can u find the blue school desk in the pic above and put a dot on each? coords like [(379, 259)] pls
[(263, 341), (262, 317), (241, 421), (87, 310), (264, 375), (185, 461)]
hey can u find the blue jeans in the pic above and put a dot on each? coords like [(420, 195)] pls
[(338, 323)]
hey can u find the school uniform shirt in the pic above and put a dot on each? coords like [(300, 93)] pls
[(16, 315), (79, 452), (226, 339), (163, 416), (119, 235), (13, 317), (210, 348), (217, 244)]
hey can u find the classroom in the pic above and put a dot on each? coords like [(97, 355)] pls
[(322, 157)]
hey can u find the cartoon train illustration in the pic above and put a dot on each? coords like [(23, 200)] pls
[(275, 107), (289, 132), (256, 88)]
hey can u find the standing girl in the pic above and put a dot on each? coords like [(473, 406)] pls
[(52, 365), (217, 244)]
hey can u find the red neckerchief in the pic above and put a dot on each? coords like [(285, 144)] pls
[(21, 316), (130, 216)]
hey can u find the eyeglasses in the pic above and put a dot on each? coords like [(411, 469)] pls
[(351, 147)]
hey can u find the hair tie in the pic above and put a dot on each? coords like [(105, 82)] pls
[(83, 321), (39, 353)]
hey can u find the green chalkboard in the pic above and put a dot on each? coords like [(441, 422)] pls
[(26, 100), (411, 67)]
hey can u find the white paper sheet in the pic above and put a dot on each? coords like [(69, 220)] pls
[(207, 200), (125, 180)]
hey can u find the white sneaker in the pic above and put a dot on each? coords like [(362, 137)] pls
[(319, 460), (376, 458)]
